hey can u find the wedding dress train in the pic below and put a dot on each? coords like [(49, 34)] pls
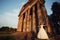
[(42, 34)]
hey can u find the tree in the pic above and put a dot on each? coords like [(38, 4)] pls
[(7, 29), (55, 17)]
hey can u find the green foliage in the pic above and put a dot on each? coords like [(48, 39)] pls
[(10, 38), (7, 38), (55, 18), (7, 29)]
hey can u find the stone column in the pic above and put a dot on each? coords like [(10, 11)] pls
[(25, 23), (24, 26), (46, 19), (20, 24), (28, 21), (18, 29), (34, 19), (40, 17)]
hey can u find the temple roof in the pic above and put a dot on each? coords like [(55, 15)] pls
[(27, 4)]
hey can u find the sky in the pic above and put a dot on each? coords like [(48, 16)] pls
[(9, 11)]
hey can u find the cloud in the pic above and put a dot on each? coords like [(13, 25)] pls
[(10, 18)]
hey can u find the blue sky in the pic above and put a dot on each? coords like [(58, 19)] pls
[(9, 10)]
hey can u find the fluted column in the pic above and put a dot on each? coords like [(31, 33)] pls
[(46, 19), (18, 29), (20, 24), (24, 26), (40, 17), (34, 19), (25, 23), (28, 21)]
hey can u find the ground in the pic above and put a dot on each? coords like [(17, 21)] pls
[(23, 36)]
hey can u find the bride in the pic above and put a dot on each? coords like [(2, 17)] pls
[(42, 34)]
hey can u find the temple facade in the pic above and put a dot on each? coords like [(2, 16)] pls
[(33, 14)]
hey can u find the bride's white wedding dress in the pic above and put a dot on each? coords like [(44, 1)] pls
[(42, 33)]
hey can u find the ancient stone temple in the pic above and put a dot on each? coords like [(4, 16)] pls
[(32, 14)]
